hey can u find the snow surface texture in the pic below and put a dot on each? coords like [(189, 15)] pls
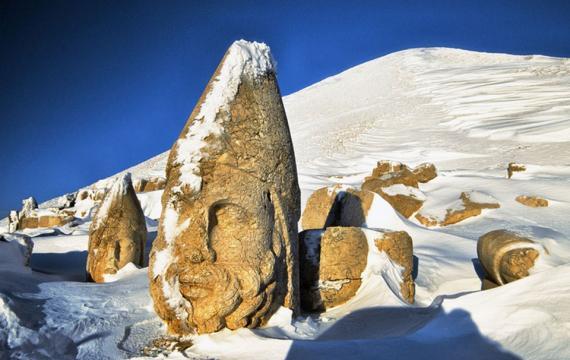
[(470, 114)]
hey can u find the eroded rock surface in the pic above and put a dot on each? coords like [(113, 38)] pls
[(117, 235), (470, 204), (506, 256), (142, 185), (532, 201), (226, 254), (398, 185), (321, 209), (333, 260), (514, 167)]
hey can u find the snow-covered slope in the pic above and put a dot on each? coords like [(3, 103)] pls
[(469, 113)]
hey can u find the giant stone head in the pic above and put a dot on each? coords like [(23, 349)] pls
[(226, 250)]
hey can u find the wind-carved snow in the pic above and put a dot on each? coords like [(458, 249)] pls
[(524, 98), (244, 59)]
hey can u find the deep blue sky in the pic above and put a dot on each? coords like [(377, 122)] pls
[(88, 88)]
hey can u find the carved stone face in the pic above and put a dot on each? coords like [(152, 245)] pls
[(228, 273)]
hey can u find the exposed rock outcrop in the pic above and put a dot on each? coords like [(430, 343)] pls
[(333, 260), (321, 209), (470, 204), (425, 172), (149, 184), (226, 254), (398, 185), (506, 256), (117, 235), (532, 201), (514, 167)]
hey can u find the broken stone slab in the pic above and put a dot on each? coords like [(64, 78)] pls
[(226, 253), (514, 167), (532, 201), (334, 259), (425, 172), (117, 235), (469, 204), (506, 256)]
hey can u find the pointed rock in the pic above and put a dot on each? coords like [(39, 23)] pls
[(226, 250), (118, 232)]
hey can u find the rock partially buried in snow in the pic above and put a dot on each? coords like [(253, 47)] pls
[(321, 208), (514, 167), (470, 204), (226, 253), (149, 184), (117, 235), (333, 261), (337, 205), (425, 172), (532, 201), (506, 256)]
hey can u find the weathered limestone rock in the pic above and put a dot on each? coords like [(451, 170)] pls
[(398, 185), (532, 201), (392, 172), (399, 247), (118, 232), (151, 184), (465, 208), (336, 206), (425, 172), (28, 205), (333, 260), (514, 167), (226, 253), (321, 210), (506, 256), (354, 206)]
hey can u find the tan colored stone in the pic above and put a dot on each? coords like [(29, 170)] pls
[(226, 253), (321, 209), (117, 235), (332, 262), (28, 223), (404, 204), (142, 185), (53, 220), (391, 172), (353, 207), (453, 216), (399, 247), (514, 167), (425, 172), (506, 256), (532, 201)]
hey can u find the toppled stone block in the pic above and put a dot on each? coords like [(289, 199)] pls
[(333, 260), (506, 256), (425, 172), (514, 167), (470, 204), (532, 201)]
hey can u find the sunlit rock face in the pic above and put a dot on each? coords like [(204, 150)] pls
[(506, 256), (117, 235), (226, 249), (333, 261)]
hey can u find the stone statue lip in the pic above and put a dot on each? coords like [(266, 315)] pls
[(200, 284)]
